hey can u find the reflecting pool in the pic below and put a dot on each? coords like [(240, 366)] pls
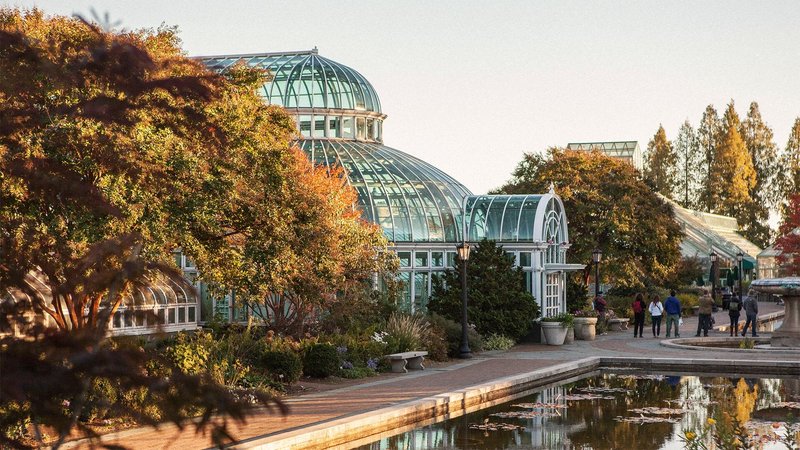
[(618, 411)]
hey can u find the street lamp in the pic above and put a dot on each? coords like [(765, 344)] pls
[(739, 258), (597, 255), (463, 256), (713, 257)]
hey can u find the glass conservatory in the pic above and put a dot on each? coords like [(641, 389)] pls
[(420, 209)]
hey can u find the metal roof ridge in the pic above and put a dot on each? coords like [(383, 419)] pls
[(313, 51)]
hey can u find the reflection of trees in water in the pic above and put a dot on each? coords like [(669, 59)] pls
[(602, 432), (590, 424)]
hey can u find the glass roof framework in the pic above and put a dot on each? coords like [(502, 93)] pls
[(519, 219), (306, 80), (410, 199)]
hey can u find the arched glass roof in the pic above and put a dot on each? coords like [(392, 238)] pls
[(516, 218), (306, 80), (410, 199)]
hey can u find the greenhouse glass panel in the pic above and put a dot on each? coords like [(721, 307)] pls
[(437, 259), (348, 128), (335, 126), (511, 219), (361, 132), (451, 259), (305, 125), (494, 218), (405, 259), (420, 291), (525, 259), (405, 297), (421, 259), (319, 127)]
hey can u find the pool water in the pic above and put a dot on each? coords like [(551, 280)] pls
[(607, 411)]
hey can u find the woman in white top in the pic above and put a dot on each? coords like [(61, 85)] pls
[(656, 310)]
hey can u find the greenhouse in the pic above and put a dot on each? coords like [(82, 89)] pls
[(420, 208)]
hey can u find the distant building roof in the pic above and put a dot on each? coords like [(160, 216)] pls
[(626, 150), (705, 232)]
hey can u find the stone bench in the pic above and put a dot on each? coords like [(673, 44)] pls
[(412, 359), (618, 324)]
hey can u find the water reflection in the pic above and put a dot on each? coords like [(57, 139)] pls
[(612, 412)]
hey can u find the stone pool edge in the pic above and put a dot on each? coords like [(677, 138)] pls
[(340, 431)]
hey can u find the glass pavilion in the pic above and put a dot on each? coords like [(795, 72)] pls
[(421, 209)]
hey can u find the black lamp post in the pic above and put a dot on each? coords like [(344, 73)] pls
[(713, 257), (463, 256), (739, 258), (597, 255)]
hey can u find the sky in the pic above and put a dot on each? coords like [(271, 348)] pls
[(470, 86)]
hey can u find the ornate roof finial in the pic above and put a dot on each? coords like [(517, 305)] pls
[(314, 50), (552, 189)]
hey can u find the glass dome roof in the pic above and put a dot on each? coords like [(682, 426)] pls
[(306, 80), (410, 199)]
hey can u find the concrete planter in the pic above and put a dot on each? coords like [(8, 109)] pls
[(585, 328), (554, 333), (570, 339), (618, 324)]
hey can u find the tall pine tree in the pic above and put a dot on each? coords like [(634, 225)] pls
[(707, 137), (789, 175), (758, 139), (690, 166), (661, 164), (732, 176)]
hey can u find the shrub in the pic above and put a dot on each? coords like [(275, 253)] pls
[(356, 372), (321, 361), (406, 332), (190, 353), (283, 365), (102, 396), (452, 331), (577, 292), (622, 305), (498, 342), (688, 301), (435, 342), (361, 346)]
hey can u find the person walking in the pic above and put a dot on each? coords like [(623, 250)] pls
[(704, 313), (750, 305), (734, 308), (600, 306), (656, 310), (638, 314), (672, 306)]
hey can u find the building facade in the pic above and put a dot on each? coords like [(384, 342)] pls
[(422, 211), (627, 151)]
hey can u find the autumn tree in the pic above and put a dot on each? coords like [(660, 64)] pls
[(732, 176), (689, 167), (610, 208), (114, 150), (765, 193), (707, 137), (325, 249), (789, 172), (661, 164), (788, 241)]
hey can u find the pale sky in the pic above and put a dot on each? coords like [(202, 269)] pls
[(469, 86)]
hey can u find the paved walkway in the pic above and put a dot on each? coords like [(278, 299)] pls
[(391, 389)]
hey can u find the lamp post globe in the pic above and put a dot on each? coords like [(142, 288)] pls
[(464, 351)]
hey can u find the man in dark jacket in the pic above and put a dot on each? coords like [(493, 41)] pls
[(751, 311), (734, 306), (672, 306)]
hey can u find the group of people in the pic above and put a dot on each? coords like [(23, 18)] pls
[(671, 308)]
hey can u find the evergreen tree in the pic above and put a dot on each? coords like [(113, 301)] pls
[(707, 137), (758, 139), (689, 167), (789, 172), (498, 300), (732, 176), (661, 163)]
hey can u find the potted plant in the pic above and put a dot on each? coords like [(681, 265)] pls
[(585, 324), (555, 328)]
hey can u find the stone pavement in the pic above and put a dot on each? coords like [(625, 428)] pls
[(392, 389)]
